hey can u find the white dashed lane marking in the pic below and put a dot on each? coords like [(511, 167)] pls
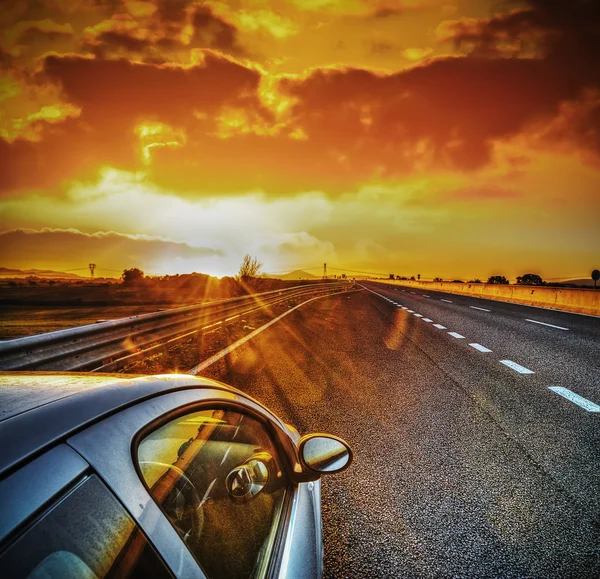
[(549, 325), (456, 335), (418, 315), (448, 301), (476, 308), (427, 320), (479, 347), (439, 326), (426, 296), (411, 311), (579, 400), (517, 367)]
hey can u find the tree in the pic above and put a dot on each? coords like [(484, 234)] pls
[(249, 268), (498, 279), (530, 279), (392, 276), (133, 276), (437, 279), (476, 280)]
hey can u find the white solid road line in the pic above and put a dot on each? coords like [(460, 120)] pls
[(476, 308), (517, 367), (579, 400), (549, 325), (455, 335), (427, 320), (418, 315), (449, 301), (439, 326), (214, 358), (480, 347)]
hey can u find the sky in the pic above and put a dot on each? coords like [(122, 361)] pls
[(446, 138)]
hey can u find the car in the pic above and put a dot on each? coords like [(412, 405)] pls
[(155, 476)]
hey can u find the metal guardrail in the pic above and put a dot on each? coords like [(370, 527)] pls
[(109, 345)]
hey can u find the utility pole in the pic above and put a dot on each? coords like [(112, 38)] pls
[(92, 267), (324, 271)]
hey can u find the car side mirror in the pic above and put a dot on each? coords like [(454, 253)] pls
[(324, 453)]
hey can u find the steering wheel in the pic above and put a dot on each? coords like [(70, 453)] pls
[(182, 505)]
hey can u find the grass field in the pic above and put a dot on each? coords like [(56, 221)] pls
[(18, 321)]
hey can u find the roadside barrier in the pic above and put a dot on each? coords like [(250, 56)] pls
[(109, 345), (583, 301)]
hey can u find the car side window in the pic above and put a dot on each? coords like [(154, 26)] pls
[(86, 535), (218, 478)]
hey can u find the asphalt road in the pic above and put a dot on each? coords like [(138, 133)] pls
[(464, 466)]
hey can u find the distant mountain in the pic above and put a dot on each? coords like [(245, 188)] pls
[(296, 274), (41, 273)]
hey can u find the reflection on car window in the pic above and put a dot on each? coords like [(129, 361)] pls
[(217, 477), (87, 535)]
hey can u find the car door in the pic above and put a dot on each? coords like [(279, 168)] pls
[(177, 463), (219, 478)]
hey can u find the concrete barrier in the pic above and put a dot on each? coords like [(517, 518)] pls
[(582, 301)]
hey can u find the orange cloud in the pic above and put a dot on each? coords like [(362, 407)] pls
[(227, 125)]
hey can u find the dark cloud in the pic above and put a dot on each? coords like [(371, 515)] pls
[(117, 39), (163, 32), (114, 97), (172, 10), (564, 40), (125, 91), (118, 250), (210, 31), (447, 112), (36, 32)]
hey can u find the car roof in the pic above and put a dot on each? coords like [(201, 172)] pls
[(42, 409), (25, 391)]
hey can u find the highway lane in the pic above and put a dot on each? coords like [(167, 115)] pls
[(537, 417), (446, 481)]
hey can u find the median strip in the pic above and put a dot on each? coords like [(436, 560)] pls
[(575, 398), (517, 367)]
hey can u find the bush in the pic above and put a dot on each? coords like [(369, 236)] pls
[(498, 279)]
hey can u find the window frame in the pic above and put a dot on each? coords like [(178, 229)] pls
[(285, 511)]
